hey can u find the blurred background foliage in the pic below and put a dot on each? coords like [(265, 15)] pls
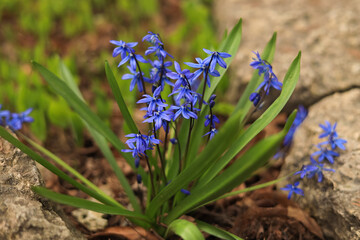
[(78, 33)]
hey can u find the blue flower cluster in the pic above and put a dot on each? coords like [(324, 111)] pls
[(270, 80), (328, 150), (186, 101), (15, 120)]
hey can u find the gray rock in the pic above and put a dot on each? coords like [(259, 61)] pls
[(335, 202), (326, 31), (23, 215)]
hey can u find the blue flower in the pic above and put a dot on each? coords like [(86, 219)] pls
[(212, 133), (316, 169), (300, 117), (203, 68), (255, 98), (184, 191), (293, 189), (260, 64), (328, 130), (184, 93), (270, 80), (182, 76), (151, 141), (152, 102), (184, 111), (136, 79), (159, 52), (160, 118), (4, 116), (333, 140), (324, 153), (137, 142), (138, 178), (17, 119), (211, 119), (123, 49), (158, 70), (216, 58), (152, 38), (133, 58)]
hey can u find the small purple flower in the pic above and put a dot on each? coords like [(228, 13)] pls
[(183, 93), (328, 130), (152, 102), (182, 76), (123, 49), (135, 79), (211, 119), (255, 98), (158, 70), (133, 58), (212, 133), (184, 111), (160, 118), (260, 64), (184, 191), (4, 116), (138, 178), (317, 169), (333, 140), (203, 67), (293, 189), (137, 142), (325, 153), (17, 119), (159, 52), (216, 58), (300, 117), (152, 38), (151, 141)]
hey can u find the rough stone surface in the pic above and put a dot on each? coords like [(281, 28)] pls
[(326, 31), (93, 221), (335, 202), (23, 215)]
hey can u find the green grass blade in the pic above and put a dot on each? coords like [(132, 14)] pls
[(185, 229), (230, 45), (82, 109), (238, 172), (86, 204), (7, 136), (119, 98), (68, 168), (244, 103), (201, 163), (101, 142), (217, 232), (290, 81), (234, 175)]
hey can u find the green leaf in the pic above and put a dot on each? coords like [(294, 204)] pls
[(185, 229), (7, 136), (86, 204), (83, 110), (201, 163), (290, 81), (217, 232), (230, 45), (119, 98), (101, 142), (234, 175)]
